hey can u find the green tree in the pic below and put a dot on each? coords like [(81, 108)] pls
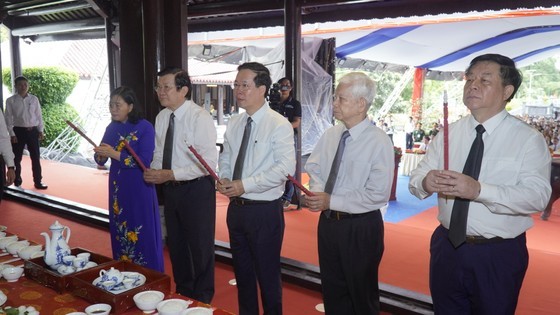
[(52, 86)]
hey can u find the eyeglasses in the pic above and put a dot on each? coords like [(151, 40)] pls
[(242, 86), (165, 88), (285, 87)]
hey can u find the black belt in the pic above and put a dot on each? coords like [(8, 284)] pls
[(339, 215), (27, 128), (184, 182), (476, 239), (238, 201)]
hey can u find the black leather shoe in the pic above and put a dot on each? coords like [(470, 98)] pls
[(18, 182), (41, 186)]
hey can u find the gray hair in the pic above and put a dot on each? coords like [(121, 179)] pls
[(361, 86)]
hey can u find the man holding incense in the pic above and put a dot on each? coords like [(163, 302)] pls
[(487, 196)]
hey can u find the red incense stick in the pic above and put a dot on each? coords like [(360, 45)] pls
[(300, 186), (445, 133), (81, 133), (134, 155), (203, 162)]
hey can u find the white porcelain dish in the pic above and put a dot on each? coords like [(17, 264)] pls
[(119, 288)]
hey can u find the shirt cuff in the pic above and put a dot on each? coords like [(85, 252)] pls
[(486, 192)]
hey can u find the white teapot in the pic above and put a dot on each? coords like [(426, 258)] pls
[(56, 246)]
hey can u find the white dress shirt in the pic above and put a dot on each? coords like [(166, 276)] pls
[(193, 126), (270, 154), (5, 143), (514, 179), (23, 112), (366, 171)]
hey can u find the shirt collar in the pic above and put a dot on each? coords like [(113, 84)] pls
[(357, 130), (491, 124), (259, 114), (181, 110)]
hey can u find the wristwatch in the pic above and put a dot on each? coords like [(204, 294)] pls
[(11, 167)]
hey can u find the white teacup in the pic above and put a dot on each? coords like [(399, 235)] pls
[(84, 256), (98, 309), (68, 260), (128, 283), (79, 263)]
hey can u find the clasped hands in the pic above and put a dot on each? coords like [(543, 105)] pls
[(230, 188), (318, 202), (451, 183)]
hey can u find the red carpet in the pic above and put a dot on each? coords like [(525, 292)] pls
[(404, 264)]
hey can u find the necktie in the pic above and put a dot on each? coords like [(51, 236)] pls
[(238, 169), (168, 145), (459, 214), (329, 186)]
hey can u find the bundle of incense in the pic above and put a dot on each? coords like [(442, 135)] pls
[(81, 133), (203, 162), (134, 155), (300, 186)]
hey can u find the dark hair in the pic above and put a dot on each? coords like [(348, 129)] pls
[(20, 78), (181, 78), (263, 74), (129, 97), (508, 72), (286, 79)]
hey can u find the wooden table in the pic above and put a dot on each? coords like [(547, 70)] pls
[(47, 301)]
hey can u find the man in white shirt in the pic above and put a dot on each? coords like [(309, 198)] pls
[(189, 192), (6, 158), (25, 124), (481, 269), (350, 231), (254, 183)]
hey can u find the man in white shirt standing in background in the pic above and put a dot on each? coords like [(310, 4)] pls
[(25, 124)]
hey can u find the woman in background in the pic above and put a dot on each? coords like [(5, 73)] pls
[(133, 208)]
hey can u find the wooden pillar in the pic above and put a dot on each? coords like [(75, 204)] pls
[(175, 34), (113, 64), (292, 39), (16, 58), (141, 43)]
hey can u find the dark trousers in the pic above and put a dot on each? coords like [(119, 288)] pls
[(350, 251), (409, 141), (256, 232), (482, 279), (29, 137), (190, 218)]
